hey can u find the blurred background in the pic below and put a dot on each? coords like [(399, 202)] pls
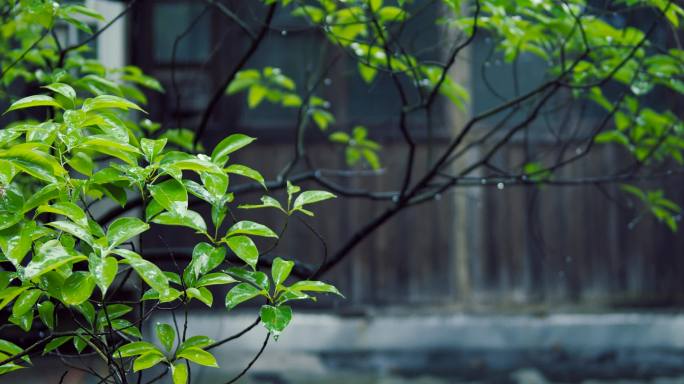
[(485, 284)]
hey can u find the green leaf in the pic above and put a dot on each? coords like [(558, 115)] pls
[(73, 229), (33, 101), (12, 349), (196, 342), (241, 293), (55, 343), (114, 311), (309, 197), (149, 272), (46, 312), (145, 81), (190, 219), (16, 241), (256, 94), (612, 136), (275, 319), (77, 288), (340, 137), (216, 184), (280, 270), (63, 89), (536, 172), (75, 8), (266, 202), (80, 343), (24, 321), (123, 229), (455, 92), (288, 295), (125, 326), (250, 228), (135, 348), (65, 208), (170, 295), (51, 255), (229, 145), (10, 367), (243, 80), (26, 301), (104, 271), (314, 286), (198, 356), (391, 14), (245, 249), (45, 194), (179, 372), (98, 85), (111, 125), (367, 73), (204, 259), (182, 137), (32, 159), (292, 189), (152, 148), (166, 335), (202, 294), (174, 162), (147, 360), (314, 13), (322, 118), (87, 310), (245, 171), (105, 144), (218, 278), (171, 195), (109, 101), (9, 294), (256, 278), (82, 163), (198, 191)]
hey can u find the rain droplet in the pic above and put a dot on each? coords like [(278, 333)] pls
[(500, 186), (487, 64), (568, 259), (438, 197), (641, 87), (395, 198), (283, 32), (578, 151), (483, 181), (327, 81)]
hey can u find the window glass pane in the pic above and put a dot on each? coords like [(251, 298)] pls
[(170, 20)]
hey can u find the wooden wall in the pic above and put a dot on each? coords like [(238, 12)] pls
[(518, 248)]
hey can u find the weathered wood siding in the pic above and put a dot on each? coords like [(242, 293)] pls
[(482, 247)]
